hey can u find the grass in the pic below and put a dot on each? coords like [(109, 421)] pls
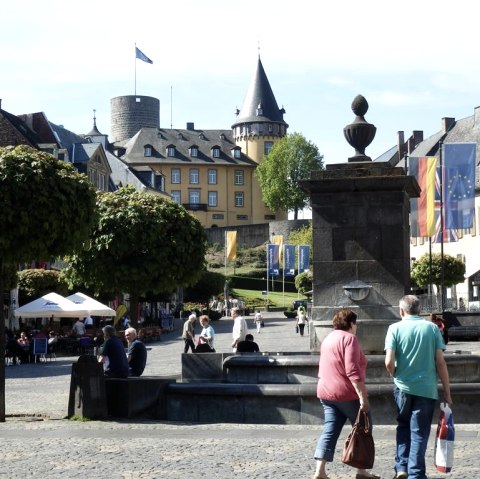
[(276, 298)]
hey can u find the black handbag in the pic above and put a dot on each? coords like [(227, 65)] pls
[(359, 447)]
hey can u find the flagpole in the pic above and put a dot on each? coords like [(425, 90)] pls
[(268, 268), (283, 291), (135, 69), (442, 226)]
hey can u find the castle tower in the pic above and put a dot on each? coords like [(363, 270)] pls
[(259, 124), (130, 113)]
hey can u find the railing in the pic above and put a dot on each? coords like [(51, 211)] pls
[(195, 206)]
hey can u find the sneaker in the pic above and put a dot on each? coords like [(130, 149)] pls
[(401, 475)]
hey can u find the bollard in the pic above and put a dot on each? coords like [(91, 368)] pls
[(87, 389)]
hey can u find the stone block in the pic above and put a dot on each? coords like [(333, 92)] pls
[(202, 367)]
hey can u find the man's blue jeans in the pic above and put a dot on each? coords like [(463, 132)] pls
[(336, 414), (414, 418)]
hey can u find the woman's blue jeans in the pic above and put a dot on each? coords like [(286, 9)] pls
[(414, 418), (336, 414)]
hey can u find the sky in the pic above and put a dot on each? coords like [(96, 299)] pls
[(414, 61)]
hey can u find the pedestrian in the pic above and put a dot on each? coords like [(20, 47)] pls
[(341, 387), (240, 328), (136, 353), (414, 358), (188, 334), (112, 354), (258, 319), (88, 322), (302, 320), (248, 346), (78, 329), (207, 336)]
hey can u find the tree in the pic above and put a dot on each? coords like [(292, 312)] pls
[(427, 271), (291, 159), (47, 210), (302, 236), (33, 283), (304, 282), (211, 283), (142, 243)]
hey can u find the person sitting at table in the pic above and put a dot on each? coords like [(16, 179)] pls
[(112, 355), (248, 346), (136, 353), (52, 342), (24, 344)]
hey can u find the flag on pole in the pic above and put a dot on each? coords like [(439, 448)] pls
[(273, 259), (303, 258), (140, 55), (459, 184), (278, 239), (422, 209), (231, 246), (449, 236), (289, 260)]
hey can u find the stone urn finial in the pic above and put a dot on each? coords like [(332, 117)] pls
[(360, 133)]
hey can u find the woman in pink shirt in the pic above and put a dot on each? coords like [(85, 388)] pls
[(341, 387)]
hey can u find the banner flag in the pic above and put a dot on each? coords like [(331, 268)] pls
[(140, 55), (273, 259), (289, 259), (231, 246), (459, 184), (303, 258), (278, 239), (422, 209), (449, 236)]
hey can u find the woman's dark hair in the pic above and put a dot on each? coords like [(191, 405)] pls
[(343, 319)]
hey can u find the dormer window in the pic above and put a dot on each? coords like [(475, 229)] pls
[(216, 152), (260, 128), (222, 136), (147, 150), (236, 153), (179, 136), (171, 150), (259, 110), (201, 136), (194, 151)]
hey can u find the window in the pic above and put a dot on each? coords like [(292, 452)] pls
[(101, 182), (194, 176), (238, 177), (147, 151), (194, 197), (270, 128), (267, 146), (237, 153), (216, 152), (212, 198), (170, 151), (212, 176), (242, 217), (177, 196), (194, 151), (239, 203), (217, 216), (260, 128), (176, 176)]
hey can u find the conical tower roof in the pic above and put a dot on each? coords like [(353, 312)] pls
[(259, 103)]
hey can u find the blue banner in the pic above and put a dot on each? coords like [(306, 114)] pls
[(289, 260), (459, 184), (303, 258), (273, 259)]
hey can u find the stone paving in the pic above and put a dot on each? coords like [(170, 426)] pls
[(37, 442)]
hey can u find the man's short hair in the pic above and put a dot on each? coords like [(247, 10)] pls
[(410, 304), (193, 316), (109, 330), (249, 337), (235, 310), (131, 330)]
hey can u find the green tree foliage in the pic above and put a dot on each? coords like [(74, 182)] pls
[(210, 284), (423, 274), (302, 236), (291, 159), (141, 244), (47, 210), (33, 283), (304, 282)]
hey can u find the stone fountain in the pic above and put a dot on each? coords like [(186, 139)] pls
[(361, 256)]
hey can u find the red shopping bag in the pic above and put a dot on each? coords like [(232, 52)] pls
[(444, 440)]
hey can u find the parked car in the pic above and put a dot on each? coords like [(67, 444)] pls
[(299, 302)]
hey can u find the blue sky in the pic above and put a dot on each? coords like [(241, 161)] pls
[(414, 61)]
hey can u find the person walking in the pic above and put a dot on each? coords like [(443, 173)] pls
[(258, 320), (189, 333), (414, 358), (302, 320), (239, 328), (207, 336), (341, 387)]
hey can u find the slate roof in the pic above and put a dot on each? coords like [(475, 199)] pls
[(183, 140), (260, 93), (31, 137)]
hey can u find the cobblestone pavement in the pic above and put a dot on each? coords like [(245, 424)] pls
[(38, 443)]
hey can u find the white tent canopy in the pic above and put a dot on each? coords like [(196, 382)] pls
[(51, 305), (94, 307)]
